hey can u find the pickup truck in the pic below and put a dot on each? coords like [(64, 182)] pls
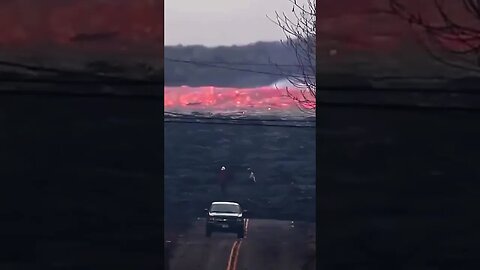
[(225, 217)]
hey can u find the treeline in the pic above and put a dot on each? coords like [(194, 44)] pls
[(228, 66)]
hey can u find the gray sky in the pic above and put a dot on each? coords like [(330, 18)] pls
[(222, 22)]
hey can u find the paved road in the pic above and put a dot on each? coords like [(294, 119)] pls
[(268, 245)]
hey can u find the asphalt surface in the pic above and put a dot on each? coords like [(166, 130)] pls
[(268, 244)]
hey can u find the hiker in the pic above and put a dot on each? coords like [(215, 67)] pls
[(251, 177), (223, 180)]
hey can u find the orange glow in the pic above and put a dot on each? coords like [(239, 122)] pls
[(226, 99), (33, 22)]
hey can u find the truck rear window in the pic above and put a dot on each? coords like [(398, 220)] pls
[(225, 208)]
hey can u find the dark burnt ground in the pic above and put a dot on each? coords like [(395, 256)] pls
[(279, 156), (80, 182), (398, 189)]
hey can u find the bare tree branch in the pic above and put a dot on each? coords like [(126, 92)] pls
[(300, 34), (452, 43)]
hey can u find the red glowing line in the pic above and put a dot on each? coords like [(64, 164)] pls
[(217, 98)]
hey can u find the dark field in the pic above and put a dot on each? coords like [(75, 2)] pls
[(398, 189), (80, 183), (282, 158)]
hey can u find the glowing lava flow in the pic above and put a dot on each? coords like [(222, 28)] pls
[(227, 99), (33, 22)]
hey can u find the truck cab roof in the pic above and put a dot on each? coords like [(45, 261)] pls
[(227, 203)]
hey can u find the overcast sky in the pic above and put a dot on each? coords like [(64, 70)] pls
[(222, 22)]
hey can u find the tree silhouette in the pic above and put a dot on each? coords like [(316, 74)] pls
[(450, 39), (299, 28)]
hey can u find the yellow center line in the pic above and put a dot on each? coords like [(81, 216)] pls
[(232, 252), (233, 258)]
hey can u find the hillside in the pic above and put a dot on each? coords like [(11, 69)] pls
[(254, 64), (121, 37)]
